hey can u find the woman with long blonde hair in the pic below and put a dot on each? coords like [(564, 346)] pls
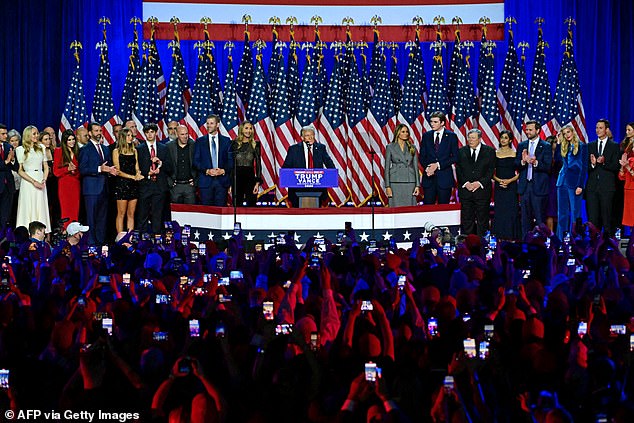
[(248, 165), (571, 180), (33, 199), (126, 189)]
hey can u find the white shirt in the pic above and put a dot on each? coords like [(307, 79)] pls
[(99, 149), (306, 147)]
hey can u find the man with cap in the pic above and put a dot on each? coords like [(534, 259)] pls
[(74, 233)]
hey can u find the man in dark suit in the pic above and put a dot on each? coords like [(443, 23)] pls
[(213, 160), (306, 155), (534, 158), (474, 170), (95, 165), (155, 166), (438, 152), (8, 163), (182, 180), (602, 169)]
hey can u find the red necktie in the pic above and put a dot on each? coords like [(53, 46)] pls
[(2, 151), (310, 157)]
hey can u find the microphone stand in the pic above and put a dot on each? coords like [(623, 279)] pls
[(372, 200), (235, 182)]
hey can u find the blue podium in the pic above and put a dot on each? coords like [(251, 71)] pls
[(309, 183)]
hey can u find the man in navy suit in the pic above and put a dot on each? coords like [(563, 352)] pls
[(7, 183), (213, 160), (534, 158), (603, 167), (438, 152), (305, 155), (155, 165), (95, 165)]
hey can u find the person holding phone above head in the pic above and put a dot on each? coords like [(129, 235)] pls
[(248, 165), (571, 180), (126, 189), (505, 218), (626, 174), (401, 169), (66, 168), (438, 152), (32, 201)]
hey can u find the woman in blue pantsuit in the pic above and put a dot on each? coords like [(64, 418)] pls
[(571, 180)]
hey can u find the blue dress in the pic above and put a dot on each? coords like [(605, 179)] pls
[(506, 208)]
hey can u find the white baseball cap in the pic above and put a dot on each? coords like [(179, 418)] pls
[(76, 227)]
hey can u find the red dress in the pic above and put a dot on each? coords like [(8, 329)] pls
[(69, 187), (628, 200)]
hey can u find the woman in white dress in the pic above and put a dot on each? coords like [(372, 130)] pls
[(33, 200)]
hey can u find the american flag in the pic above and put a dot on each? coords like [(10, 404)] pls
[(129, 94), (274, 67), (463, 109), (359, 168), (518, 103), (307, 111), (103, 107), (333, 131), (230, 122), (179, 94), (244, 80), (509, 74), (161, 86), (437, 91), (285, 133), (540, 100), (75, 112), (258, 113), (489, 117), (365, 83), (148, 108), (321, 77), (454, 69), (380, 122), (292, 77), (568, 104), (201, 105), (213, 77), (482, 61), (412, 109), (395, 86)]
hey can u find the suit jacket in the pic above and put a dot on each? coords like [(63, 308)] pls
[(603, 176), (541, 175), (202, 161), (480, 171), (93, 182), (574, 168), (447, 155), (400, 166), (295, 158), (145, 162), (172, 147), (6, 177)]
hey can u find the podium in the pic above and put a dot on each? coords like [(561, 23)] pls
[(309, 183)]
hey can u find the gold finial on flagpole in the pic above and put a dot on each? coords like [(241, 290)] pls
[(246, 19), (76, 46), (376, 20)]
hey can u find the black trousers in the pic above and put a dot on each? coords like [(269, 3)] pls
[(474, 215), (245, 181), (433, 194), (150, 206), (599, 208)]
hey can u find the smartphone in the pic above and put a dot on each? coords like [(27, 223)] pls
[(280, 240), (184, 366), (104, 251), (158, 239), (489, 255), (187, 230), (483, 351), (488, 332), (220, 330), (146, 283), (249, 256), (446, 249), (163, 299), (237, 227), (183, 281), (104, 279), (236, 274), (314, 260), (493, 243), (402, 279), (224, 298), (423, 240), (370, 371), (106, 324), (469, 347), (526, 273), (320, 245), (159, 336), (258, 247), (4, 379), (448, 383), (631, 342), (579, 268), (284, 329), (267, 310), (571, 262), (202, 249), (199, 291), (134, 237), (92, 251), (432, 327), (582, 329), (340, 236), (126, 279), (185, 239), (547, 243), (225, 281), (366, 306), (314, 340), (616, 330), (194, 254), (81, 301), (220, 264), (287, 284), (194, 328)]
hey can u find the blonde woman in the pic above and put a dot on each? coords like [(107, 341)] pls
[(126, 189), (401, 169), (571, 180), (33, 199), (248, 168)]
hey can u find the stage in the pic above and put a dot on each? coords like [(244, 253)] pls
[(403, 224)]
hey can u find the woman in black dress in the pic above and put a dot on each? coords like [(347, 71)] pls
[(51, 182), (505, 221), (126, 189), (248, 165)]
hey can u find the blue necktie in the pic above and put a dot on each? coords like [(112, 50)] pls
[(214, 160)]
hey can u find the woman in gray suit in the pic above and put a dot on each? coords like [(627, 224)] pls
[(401, 169)]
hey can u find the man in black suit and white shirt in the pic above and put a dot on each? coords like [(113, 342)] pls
[(602, 169), (474, 170)]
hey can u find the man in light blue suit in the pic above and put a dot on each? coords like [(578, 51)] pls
[(213, 160), (95, 165)]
